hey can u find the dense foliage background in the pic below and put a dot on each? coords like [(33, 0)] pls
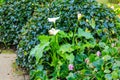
[(13, 16), (102, 25), (21, 22)]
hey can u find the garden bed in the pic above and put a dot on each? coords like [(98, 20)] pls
[(63, 39)]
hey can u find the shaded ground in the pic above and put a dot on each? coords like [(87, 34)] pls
[(7, 71)]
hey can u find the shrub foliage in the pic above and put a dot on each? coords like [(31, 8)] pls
[(13, 16), (21, 22), (97, 19)]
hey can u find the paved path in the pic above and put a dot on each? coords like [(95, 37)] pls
[(6, 69)]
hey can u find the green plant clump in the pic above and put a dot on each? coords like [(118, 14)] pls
[(55, 53), (96, 18), (74, 56)]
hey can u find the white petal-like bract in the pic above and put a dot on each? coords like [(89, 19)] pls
[(53, 19), (53, 31)]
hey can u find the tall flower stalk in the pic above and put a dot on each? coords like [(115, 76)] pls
[(79, 16), (54, 32)]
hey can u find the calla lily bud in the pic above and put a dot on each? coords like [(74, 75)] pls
[(79, 16)]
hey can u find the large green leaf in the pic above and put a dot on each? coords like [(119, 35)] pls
[(82, 33), (66, 48), (43, 38), (38, 51)]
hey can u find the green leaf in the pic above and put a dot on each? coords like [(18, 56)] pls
[(107, 71), (70, 57), (81, 57), (43, 38), (71, 76), (117, 63), (82, 33), (32, 73), (62, 34), (106, 58), (92, 57), (38, 51), (108, 76), (115, 74), (66, 48), (102, 44), (98, 64), (40, 67)]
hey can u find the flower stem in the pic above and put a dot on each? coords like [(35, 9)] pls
[(54, 25), (74, 36), (75, 30)]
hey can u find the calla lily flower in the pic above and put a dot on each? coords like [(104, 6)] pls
[(112, 7), (53, 31), (53, 19)]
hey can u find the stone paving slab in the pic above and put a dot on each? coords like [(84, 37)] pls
[(6, 70)]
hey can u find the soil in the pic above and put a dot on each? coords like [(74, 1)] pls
[(7, 71)]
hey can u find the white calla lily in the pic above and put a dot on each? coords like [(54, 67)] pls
[(53, 19), (53, 31), (112, 7)]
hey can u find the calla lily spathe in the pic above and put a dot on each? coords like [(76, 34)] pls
[(53, 19), (112, 7), (53, 31)]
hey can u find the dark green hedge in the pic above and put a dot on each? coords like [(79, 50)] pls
[(34, 27), (98, 19), (13, 16)]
